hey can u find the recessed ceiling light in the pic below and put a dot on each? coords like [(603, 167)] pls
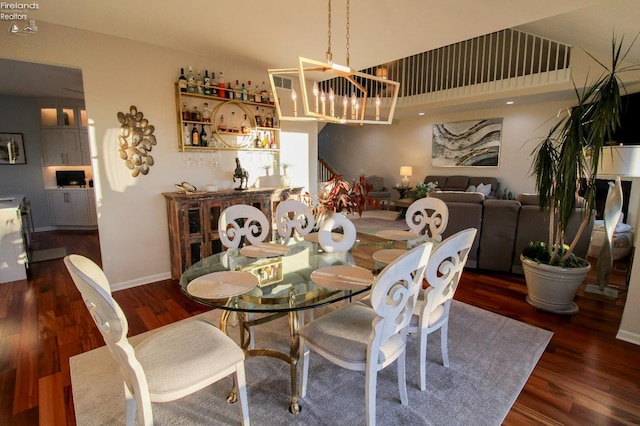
[(510, 102), (421, 113)]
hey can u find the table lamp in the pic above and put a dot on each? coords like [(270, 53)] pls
[(615, 161), (406, 171)]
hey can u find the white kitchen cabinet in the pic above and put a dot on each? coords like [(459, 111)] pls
[(85, 150), (62, 147), (70, 208), (13, 254)]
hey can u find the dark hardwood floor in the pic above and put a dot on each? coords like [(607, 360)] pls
[(585, 376)]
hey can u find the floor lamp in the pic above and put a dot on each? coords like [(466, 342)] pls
[(616, 161)]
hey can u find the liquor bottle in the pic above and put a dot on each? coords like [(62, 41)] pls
[(222, 126), (195, 136), (272, 141), (258, 117), (195, 114), (250, 96), (268, 122), (257, 141), (182, 81), (187, 134), (245, 126), (199, 83), (234, 124), (186, 114), (206, 113), (256, 94), (265, 140), (191, 81), (221, 85), (230, 93), (207, 83), (243, 91), (204, 138), (264, 95), (238, 92), (214, 85)]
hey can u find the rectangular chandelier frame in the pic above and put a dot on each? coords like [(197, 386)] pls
[(366, 93)]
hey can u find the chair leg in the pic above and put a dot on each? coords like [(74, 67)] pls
[(241, 385), (422, 358), (444, 331), (402, 378), (371, 381)]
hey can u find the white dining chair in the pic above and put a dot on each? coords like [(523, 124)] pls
[(428, 216), (331, 241), (242, 223), (431, 313), (173, 362), (357, 337), (292, 217)]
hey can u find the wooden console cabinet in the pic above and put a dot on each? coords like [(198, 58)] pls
[(193, 219)]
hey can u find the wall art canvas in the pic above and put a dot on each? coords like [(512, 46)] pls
[(474, 143), (12, 149)]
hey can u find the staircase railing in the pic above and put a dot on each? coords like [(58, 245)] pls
[(325, 171)]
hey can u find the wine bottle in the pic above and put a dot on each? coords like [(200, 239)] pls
[(204, 138), (257, 141), (222, 126), (238, 92), (250, 96), (214, 85), (245, 126), (186, 114), (195, 114), (206, 113), (195, 136), (257, 117), (187, 134), (199, 83), (182, 81), (230, 94), (191, 81), (207, 83), (221, 85)]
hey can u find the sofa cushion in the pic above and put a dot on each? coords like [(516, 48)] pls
[(458, 196), (471, 188), (528, 199), (456, 183), (440, 180)]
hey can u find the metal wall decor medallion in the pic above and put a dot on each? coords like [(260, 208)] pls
[(135, 141)]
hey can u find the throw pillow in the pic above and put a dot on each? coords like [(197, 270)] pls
[(471, 188), (484, 188)]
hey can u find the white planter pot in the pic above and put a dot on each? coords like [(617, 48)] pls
[(552, 288)]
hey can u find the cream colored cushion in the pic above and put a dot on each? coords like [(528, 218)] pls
[(484, 188), (200, 344)]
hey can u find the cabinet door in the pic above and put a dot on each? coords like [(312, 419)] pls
[(61, 147), (85, 149), (69, 208)]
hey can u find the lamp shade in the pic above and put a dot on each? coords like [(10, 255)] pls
[(621, 160), (406, 171)]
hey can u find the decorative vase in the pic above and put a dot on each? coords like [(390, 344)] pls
[(552, 288)]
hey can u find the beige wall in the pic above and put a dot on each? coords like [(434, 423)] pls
[(118, 73)]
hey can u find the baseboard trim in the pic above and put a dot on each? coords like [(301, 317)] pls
[(141, 281), (627, 336)]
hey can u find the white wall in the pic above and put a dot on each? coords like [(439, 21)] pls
[(118, 73), (382, 150)]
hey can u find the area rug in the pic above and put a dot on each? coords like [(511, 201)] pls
[(373, 221), (491, 357), (48, 254)]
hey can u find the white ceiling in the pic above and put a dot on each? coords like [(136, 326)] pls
[(272, 34)]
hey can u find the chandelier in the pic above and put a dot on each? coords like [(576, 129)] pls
[(330, 92)]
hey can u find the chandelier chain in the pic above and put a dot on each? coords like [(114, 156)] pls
[(329, 54), (348, 16)]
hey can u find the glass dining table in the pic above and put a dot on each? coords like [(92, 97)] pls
[(264, 282)]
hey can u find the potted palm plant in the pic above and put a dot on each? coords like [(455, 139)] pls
[(566, 159)]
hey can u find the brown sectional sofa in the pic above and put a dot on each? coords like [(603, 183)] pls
[(462, 183), (505, 228)]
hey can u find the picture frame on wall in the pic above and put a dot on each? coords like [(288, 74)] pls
[(473, 143), (12, 149)]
